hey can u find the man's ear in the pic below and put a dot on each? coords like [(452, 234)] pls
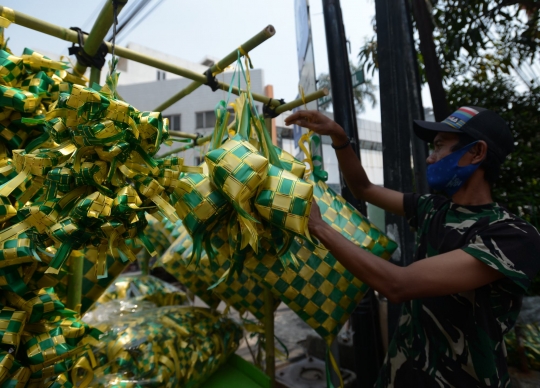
[(479, 151)]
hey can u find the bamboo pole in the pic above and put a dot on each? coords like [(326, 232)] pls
[(282, 108), (200, 141), (220, 66), (95, 76), (185, 135), (176, 150), (269, 336), (103, 22), (71, 36), (299, 101), (203, 139), (74, 295), (100, 28)]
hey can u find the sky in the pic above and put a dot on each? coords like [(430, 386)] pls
[(193, 29)]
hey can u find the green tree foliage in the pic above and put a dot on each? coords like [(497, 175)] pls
[(480, 46), (363, 94), (518, 187), (507, 31)]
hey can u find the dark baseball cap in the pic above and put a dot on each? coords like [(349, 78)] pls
[(478, 123)]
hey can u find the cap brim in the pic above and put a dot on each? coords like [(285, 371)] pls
[(427, 130)]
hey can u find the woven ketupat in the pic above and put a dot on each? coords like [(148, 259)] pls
[(237, 169), (244, 292), (11, 327), (37, 304), (18, 378), (158, 235), (285, 200), (344, 218), (199, 204), (8, 366), (11, 68), (176, 262), (320, 290), (19, 100), (44, 347), (290, 163)]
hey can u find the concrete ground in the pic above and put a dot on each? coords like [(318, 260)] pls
[(290, 329)]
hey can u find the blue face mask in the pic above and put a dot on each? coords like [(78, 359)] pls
[(447, 176)]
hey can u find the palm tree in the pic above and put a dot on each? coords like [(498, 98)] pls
[(363, 94)]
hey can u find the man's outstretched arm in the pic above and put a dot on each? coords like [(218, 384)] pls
[(351, 168), (445, 274)]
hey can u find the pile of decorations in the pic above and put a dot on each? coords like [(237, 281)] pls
[(77, 178), (161, 347), (137, 287), (149, 340)]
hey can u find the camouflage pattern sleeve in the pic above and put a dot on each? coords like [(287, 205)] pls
[(511, 246)]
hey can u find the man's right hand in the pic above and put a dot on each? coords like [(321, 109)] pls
[(349, 164), (317, 122)]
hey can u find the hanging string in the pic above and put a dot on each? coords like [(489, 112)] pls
[(303, 96), (115, 22)]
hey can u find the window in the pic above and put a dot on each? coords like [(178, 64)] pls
[(161, 75), (205, 119), (174, 122), (208, 119), (199, 118)]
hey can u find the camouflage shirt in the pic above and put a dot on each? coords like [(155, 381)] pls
[(457, 340)]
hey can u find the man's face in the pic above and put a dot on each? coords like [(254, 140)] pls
[(443, 145)]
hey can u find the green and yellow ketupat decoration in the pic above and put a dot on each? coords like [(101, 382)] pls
[(78, 174), (259, 229)]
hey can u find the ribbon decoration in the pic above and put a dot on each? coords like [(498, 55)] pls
[(180, 346), (143, 287), (64, 149)]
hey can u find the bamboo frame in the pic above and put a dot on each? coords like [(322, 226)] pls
[(74, 295), (220, 66), (104, 21), (71, 36)]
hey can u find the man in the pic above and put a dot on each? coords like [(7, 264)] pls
[(474, 260)]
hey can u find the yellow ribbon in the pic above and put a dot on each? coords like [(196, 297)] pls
[(308, 159), (83, 380), (7, 17), (333, 362), (303, 96)]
